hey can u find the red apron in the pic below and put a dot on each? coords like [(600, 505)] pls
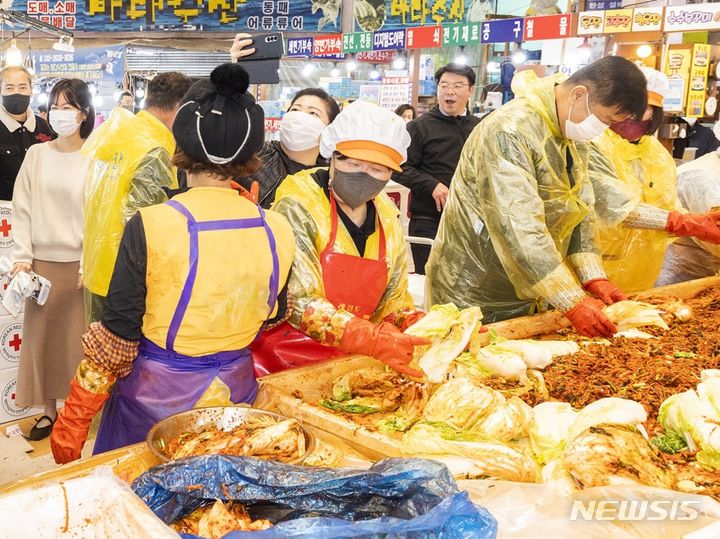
[(353, 283)]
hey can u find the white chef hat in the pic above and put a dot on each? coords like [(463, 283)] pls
[(657, 86), (369, 133)]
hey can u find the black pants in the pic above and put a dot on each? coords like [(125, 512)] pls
[(424, 227)]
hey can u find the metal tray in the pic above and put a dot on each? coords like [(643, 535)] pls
[(223, 417)]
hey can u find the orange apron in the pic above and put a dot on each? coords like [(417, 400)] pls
[(353, 283)]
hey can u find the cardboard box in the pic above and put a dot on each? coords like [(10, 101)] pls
[(11, 335), (8, 386)]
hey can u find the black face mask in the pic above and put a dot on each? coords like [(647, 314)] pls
[(16, 103), (356, 188)]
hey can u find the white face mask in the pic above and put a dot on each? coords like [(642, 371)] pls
[(64, 122), (590, 128), (300, 131)]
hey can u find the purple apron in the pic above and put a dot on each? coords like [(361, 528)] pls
[(164, 382)]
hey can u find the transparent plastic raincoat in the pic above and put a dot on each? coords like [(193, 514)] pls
[(633, 257), (698, 188), (131, 163), (304, 204), (518, 230)]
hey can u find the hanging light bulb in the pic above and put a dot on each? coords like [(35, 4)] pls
[(308, 69), (42, 98), (97, 101), (335, 72), (461, 58), (92, 88), (519, 57), (374, 74), (116, 94), (13, 56), (493, 67), (352, 64), (643, 51), (140, 92), (399, 62)]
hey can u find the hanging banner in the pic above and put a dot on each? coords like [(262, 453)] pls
[(590, 23), (376, 57), (250, 15), (299, 46), (618, 21), (357, 42), (602, 5), (692, 17), (327, 45), (389, 40), (374, 15), (502, 31), (647, 19), (461, 34), (93, 64), (697, 92), (548, 27), (677, 69), (424, 37)]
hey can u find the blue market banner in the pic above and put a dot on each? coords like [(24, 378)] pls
[(206, 15), (374, 15), (502, 31), (93, 64)]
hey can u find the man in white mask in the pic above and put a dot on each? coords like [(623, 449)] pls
[(516, 235)]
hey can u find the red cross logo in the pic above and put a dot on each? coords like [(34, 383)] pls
[(16, 342), (5, 227), (12, 397)]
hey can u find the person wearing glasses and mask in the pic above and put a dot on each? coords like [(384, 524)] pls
[(633, 250), (347, 292), (437, 140), (517, 233)]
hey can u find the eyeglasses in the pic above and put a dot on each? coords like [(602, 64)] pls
[(457, 86)]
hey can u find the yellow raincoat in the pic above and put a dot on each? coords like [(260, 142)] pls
[(131, 163), (304, 204), (517, 227), (634, 257)]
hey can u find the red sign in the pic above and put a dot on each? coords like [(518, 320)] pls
[(272, 125), (376, 57), (327, 45), (548, 27), (424, 37)]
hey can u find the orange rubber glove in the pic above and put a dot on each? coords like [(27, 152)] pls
[(589, 320), (253, 195), (703, 227), (73, 423), (604, 290), (382, 341), (412, 319)]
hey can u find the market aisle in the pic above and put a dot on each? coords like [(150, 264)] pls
[(20, 458)]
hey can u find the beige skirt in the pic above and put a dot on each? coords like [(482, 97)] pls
[(51, 349)]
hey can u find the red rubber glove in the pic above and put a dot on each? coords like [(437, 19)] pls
[(384, 342), (253, 195), (412, 319), (604, 290), (73, 423), (703, 227), (589, 320)]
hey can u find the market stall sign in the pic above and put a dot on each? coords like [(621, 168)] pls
[(376, 57), (92, 64), (590, 23), (424, 37), (548, 27), (502, 31), (374, 15), (394, 91), (692, 17), (143, 15), (328, 45), (647, 19), (461, 34), (299, 46), (357, 42), (602, 5), (389, 40), (677, 68), (698, 80), (618, 21)]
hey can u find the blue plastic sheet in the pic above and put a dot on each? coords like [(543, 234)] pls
[(409, 498)]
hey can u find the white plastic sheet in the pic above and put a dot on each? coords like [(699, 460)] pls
[(98, 506)]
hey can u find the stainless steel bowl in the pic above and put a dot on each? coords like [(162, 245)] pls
[(199, 419)]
